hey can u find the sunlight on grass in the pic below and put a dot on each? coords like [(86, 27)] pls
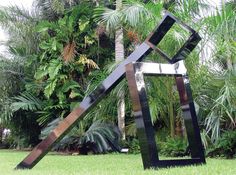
[(108, 164)]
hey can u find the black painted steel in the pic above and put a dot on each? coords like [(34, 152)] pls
[(190, 117), (107, 85), (143, 120), (145, 131), (158, 34)]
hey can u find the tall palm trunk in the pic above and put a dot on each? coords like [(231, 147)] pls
[(172, 119), (1, 133), (119, 56), (170, 109)]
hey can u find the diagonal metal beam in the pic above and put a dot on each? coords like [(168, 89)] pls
[(85, 106)]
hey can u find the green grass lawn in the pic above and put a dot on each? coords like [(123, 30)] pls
[(109, 164)]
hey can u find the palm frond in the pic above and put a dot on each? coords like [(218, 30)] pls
[(222, 104), (135, 13), (52, 9), (112, 18), (69, 52), (26, 101), (88, 62), (104, 135), (130, 14), (19, 23)]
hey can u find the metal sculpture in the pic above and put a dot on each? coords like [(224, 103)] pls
[(135, 75), (110, 82)]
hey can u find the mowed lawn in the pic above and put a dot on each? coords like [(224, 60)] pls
[(109, 164)]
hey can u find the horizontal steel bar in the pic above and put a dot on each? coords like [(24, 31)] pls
[(161, 69)]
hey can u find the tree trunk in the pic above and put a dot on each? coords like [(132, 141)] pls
[(1, 133), (179, 128), (121, 114), (171, 109), (119, 56), (172, 119), (229, 64)]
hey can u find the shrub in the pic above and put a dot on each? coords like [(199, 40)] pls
[(174, 147), (132, 144), (225, 146), (100, 137)]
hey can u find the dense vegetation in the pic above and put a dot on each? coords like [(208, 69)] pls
[(61, 50)]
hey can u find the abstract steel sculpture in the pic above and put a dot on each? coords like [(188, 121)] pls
[(142, 116), (145, 131)]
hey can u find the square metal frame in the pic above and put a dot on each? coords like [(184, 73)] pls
[(135, 75), (158, 34)]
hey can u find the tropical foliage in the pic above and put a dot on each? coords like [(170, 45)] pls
[(100, 137), (61, 50)]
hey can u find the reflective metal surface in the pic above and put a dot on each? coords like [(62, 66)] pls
[(162, 69), (87, 104), (145, 131), (190, 117), (109, 83), (167, 22)]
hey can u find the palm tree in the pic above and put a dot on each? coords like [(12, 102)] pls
[(218, 97), (116, 20), (120, 56), (54, 9), (1, 133)]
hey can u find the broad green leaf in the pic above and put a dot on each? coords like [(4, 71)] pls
[(54, 44), (49, 89), (41, 72), (82, 26), (43, 26), (44, 45), (75, 93), (54, 67), (74, 105), (69, 85)]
